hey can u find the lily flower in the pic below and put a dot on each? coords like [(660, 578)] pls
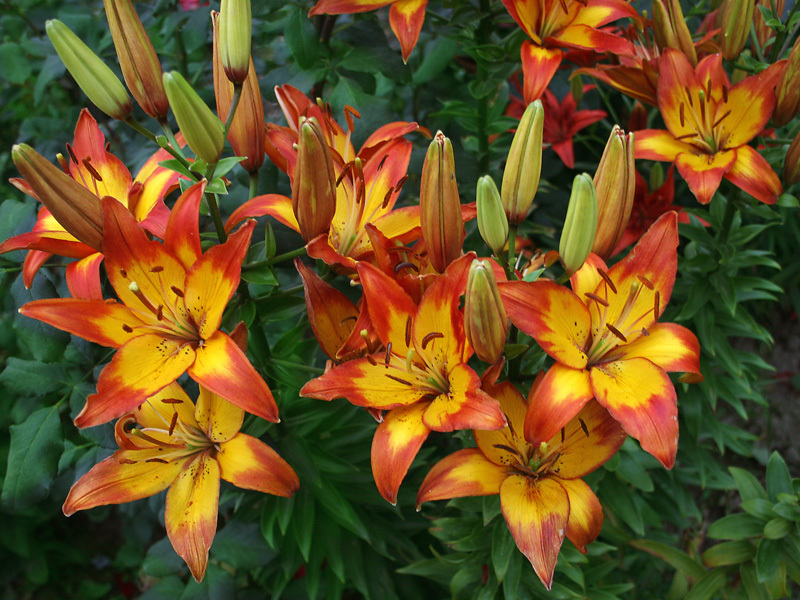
[(422, 379), (103, 174), (608, 343), (563, 121), (556, 24), (709, 124), (168, 322), (542, 495), (169, 442)]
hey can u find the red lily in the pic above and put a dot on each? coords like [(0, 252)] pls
[(541, 492), (173, 297), (709, 124), (608, 344), (422, 379), (562, 122), (105, 175)]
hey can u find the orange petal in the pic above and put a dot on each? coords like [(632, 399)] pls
[(596, 13), (505, 446), (320, 247), (559, 397), (679, 86), (752, 173), (538, 67), (83, 278), (274, 205), (641, 397), (124, 476), (587, 278), (139, 369), (577, 35), (669, 346), (31, 265), (551, 314), (406, 18), (751, 102), (385, 133), (394, 446), (109, 324), (224, 369), (466, 406), (183, 235), (657, 144), (537, 512), (631, 81), (213, 279), (191, 512), (392, 307), (703, 172), (90, 145), (53, 242), (527, 15), (158, 410), (250, 464), (464, 473), (585, 513), (590, 439), (343, 7), (157, 182), (219, 419), (401, 223)]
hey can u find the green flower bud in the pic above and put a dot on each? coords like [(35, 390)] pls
[(235, 31), (202, 130), (492, 221), (314, 187), (734, 19), (97, 81), (485, 322), (580, 224), (524, 164), (670, 29), (787, 90)]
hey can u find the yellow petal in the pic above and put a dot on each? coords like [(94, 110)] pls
[(585, 513), (250, 464), (219, 419), (464, 473)]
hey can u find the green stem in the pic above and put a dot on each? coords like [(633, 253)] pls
[(779, 39), (253, 185), (213, 208), (237, 95), (276, 259), (512, 249), (176, 147), (139, 128), (297, 366)]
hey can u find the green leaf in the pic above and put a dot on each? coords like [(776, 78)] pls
[(162, 560), (759, 508), (226, 164), (778, 528), (174, 164), (216, 585), (503, 548), (438, 57), (747, 484), (736, 527), (168, 588), (728, 553), (302, 39), (33, 378), (768, 559), (303, 522), (787, 200), (14, 65), (679, 560), (779, 481), (708, 585), (241, 545), (36, 445)]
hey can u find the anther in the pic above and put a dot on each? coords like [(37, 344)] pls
[(688, 95), (564, 7), (645, 332), (607, 279), (616, 332), (344, 172), (656, 307), (398, 380), (126, 461), (430, 337), (127, 328), (399, 185), (709, 89), (346, 319), (124, 273), (160, 312), (724, 93), (388, 197), (596, 298), (681, 114), (408, 331), (720, 120), (647, 283), (92, 171), (383, 160), (173, 422), (371, 361), (71, 153), (157, 269), (171, 401), (405, 265), (388, 354), (583, 426), (177, 291), (562, 435), (157, 460)]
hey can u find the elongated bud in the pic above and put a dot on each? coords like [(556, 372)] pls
[(787, 91), (656, 179), (638, 118), (73, 206), (615, 182), (247, 131), (202, 130), (492, 221), (440, 205), (314, 188), (235, 31), (763, 32), (669, 27), (137, 57), (580, 224), (97, 81), (791, 164), (734, 21), (485, 321), (524, 164)]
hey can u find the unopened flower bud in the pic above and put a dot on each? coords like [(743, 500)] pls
[(492, 221), (580, 224), (763, 32), (314, 186), (485, 322), (202, 130), (77, 209), (638, 117), (615, 182), (137, 58), (791, 164), (656, 176), (94, 77), (787, 90), (247, 131), (734, 20), (235, 31), (524, 164), (670, 29), (440, 205)]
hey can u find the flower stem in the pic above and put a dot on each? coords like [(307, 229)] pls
[(253, 185), (237, 95), (139, 128), (512, 249), (297, 366), (276, 259)]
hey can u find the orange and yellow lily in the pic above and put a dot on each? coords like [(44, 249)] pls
[(169, 442), (542, 495), (422, 379), (103, 174), (608, 343), (168, 322), (556, 24), (709, 124)]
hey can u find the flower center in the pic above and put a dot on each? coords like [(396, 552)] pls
[(705, 114)]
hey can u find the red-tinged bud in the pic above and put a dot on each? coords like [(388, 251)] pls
[(247, 132), (314, 188), (524, 164), (734, 20), (73, 206), (638, 118), (669, 27), (492, 221), (765, 33), (580, 224), (235, 31), (615, 182), (791, 164), (202, 130), (440, 205), (97, 81), (787, 91), (137, 58), (485, 321)]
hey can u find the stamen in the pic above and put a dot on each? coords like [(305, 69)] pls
[(647, 283), (172, 401), (108, 146), (656, 307), (160, 312), (409, 359), (616, 332), (157, 460), (371, 360), (430, 337), (686, 136), (388, 197), (156, 269), (681, 114), (408, 331), (720, 120), (562, 435), (380, 164), (708, 93), (607, 279), (177, 291), (583, 426), (596, 298), (92, 171), (564, 6), (127, 328), (344, 172), (688, 95), (346, 319), (173, 423), (405, 265), (126, 461), (71, 153), (399, 185), (124, 273), (398, 380), (724, 93), (645, 332), (388, 354)]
